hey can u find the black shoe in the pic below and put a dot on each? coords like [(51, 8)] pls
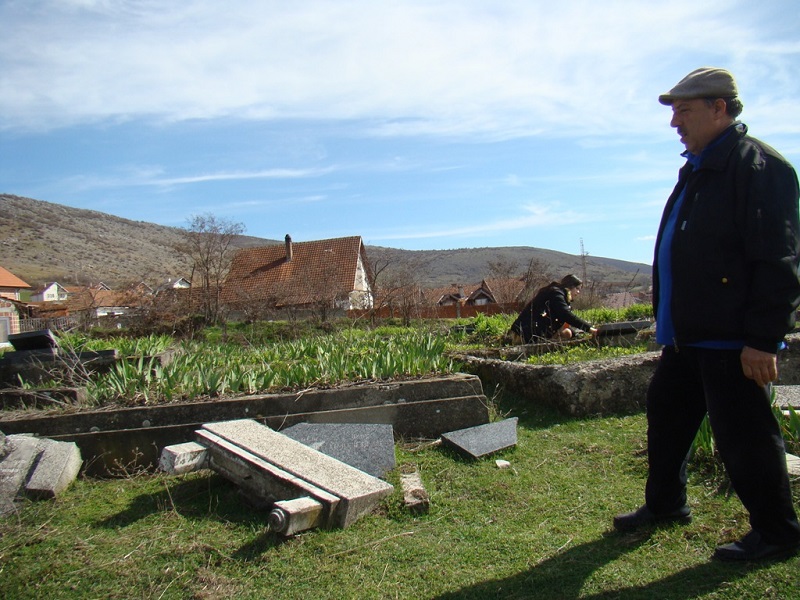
[(753, 547), (644, 517)]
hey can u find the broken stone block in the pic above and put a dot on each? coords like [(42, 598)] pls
[(58, 466), (274, 467), (367, 447), (293, 516), (482, 440), (183, 458), (415, 496)]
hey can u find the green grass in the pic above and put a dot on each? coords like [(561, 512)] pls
[(540, 529)]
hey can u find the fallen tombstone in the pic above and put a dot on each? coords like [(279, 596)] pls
[(37, 366), (57, 467), (35, 468), (620, 333), (482, 440), (367, 447), (42, 339), (270, 467)]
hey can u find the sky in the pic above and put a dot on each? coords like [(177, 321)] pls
[(415, 124)]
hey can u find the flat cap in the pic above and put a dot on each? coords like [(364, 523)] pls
[(705, 82)]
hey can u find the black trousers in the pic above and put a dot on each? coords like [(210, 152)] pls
[(687, 384)]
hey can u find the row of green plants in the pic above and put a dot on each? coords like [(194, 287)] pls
[(262, 357), (259, 358), (197, 369)]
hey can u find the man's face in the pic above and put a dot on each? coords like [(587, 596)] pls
[(697, 122)]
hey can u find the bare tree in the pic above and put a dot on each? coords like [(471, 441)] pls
[(505, 280), (208, 243), (396, 286), (537, 275)]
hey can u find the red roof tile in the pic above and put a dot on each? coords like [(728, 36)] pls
[(9, 280), (318, 269)]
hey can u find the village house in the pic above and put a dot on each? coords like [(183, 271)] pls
[(98, 302), (11, 285), (318, 276), (494, 291), (179, 283), (10, 288), (50, 292)]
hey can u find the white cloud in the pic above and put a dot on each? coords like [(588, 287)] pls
[(153, 176), (445, 68), (532, 216)]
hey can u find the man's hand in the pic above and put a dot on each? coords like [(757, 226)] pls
[(760, 366)]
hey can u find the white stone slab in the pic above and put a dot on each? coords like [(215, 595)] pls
[(793, 464)]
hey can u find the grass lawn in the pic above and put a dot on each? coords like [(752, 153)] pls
[(540, 529)]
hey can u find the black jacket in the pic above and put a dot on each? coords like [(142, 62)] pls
[(735, 248), (546, 314)]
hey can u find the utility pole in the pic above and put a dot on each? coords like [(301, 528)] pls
[(583, 262)]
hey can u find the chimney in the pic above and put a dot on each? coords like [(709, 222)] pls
[(288, 248)]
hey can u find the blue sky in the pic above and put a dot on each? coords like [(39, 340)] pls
[(415, 124)]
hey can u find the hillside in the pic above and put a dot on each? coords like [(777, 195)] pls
[(41, 241)]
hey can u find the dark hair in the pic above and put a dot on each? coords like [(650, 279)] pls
[(733, 106), (570, 281)]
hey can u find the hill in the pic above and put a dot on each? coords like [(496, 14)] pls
[(41, 242)]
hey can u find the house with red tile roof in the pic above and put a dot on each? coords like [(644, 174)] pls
[(10, 285), (501, 291), (319, 276), (99, 302)]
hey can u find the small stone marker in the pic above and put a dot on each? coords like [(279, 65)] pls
[(415, 496), (475, 442), (183, 458), (367, 447)]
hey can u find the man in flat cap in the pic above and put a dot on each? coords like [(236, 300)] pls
[(725, 291)]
